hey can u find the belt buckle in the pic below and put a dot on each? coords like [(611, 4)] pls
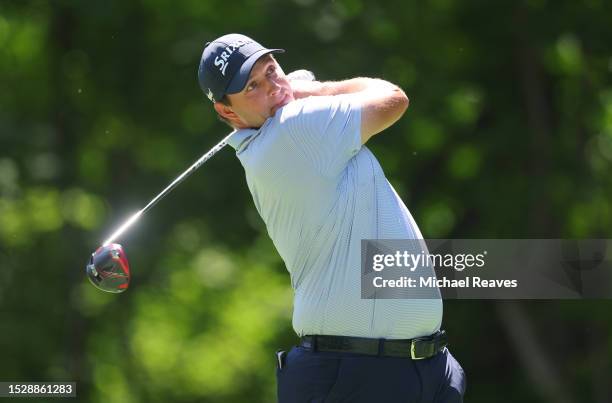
[(413, 347)]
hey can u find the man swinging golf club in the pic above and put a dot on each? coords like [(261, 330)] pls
[(320, 192)]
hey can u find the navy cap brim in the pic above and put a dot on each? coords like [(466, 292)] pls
[(242, 76)]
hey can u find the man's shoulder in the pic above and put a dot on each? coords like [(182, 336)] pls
[(294, 108)]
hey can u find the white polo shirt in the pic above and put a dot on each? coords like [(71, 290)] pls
[(320, 192)]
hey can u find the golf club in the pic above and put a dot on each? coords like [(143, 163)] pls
[(108, 267)]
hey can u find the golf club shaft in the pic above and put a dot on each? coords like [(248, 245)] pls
[(168, 189)]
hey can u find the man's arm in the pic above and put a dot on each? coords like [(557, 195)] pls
[(382, 103)]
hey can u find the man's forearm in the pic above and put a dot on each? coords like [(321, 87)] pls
[(350, 86), (354, 85)]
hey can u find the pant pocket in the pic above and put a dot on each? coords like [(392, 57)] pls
[(281, 357), (305, 377), (455, 385)]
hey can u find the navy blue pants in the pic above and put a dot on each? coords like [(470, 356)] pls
[(330, 377)]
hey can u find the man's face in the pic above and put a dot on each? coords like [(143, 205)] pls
[(266, 91)]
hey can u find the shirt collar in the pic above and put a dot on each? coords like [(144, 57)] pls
[(240, 137)]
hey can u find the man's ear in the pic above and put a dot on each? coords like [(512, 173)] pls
[(227, 113)]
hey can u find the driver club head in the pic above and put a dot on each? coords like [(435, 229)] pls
[(108, 269)]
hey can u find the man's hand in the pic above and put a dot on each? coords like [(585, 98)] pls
[(302, 74), (303, 84)]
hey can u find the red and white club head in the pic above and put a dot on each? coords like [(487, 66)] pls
[(108, 269)]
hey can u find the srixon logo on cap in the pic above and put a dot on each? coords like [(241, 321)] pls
[(221, 60)]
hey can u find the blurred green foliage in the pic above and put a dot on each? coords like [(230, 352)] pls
[(509, 134)]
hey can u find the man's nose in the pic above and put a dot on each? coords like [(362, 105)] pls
[(273, 86)]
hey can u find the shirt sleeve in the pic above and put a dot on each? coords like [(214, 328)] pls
[(326, 131)]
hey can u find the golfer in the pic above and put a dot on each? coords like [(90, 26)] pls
[(320, 191)]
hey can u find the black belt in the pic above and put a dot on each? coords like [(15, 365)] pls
[(416, 349)]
